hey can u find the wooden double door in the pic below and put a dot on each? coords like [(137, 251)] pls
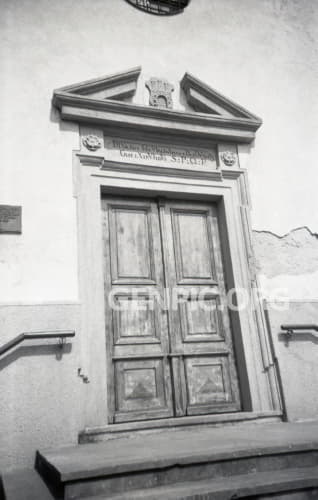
[(168, 332)]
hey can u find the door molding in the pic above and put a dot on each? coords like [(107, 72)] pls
[(93, 175)]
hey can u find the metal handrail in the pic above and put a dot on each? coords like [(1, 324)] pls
[(62, 335), (289, 330)]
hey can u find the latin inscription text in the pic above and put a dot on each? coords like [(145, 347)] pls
[(159, 154)]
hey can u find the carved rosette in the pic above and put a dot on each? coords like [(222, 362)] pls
[(229, 158), (92, 142)]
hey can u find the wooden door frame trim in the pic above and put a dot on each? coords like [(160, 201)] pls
[(91, 177)]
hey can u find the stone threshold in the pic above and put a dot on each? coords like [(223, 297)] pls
[(110, 431)]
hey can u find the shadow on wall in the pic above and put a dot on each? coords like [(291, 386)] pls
[(35, 350), (298, 337)]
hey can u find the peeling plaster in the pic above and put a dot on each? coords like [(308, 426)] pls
[(287, 234), (287, 265), (293, 253)]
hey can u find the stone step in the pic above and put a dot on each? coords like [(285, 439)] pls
[(25, 484), (304, 480), (170, 459)]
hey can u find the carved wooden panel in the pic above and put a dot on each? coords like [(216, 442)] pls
[(131, 245), (141, 390), (135, 320), (201, 320), (209, 384), (193, 247)]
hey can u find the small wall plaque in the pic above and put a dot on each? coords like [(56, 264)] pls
[(10, 219)]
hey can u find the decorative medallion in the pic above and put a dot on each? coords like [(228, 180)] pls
[(160, 7), (92, 142), (228, 158), (160, 91)]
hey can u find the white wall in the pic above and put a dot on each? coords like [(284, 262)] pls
[(261, 54), (297, 359), (41, 403)]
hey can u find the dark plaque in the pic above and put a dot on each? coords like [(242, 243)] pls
[(10, 219)]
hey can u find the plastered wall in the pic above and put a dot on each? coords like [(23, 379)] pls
[(287, 265), (41, 391), (288, 271), (261, 54), (297, 358)]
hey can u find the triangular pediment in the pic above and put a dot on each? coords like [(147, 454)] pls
[(205, 99), (204, 112), (118, 86)]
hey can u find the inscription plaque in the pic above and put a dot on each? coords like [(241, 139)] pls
[(10, 219), (159, 154)]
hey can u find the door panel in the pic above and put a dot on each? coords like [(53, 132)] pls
[(201, 339), (139, 381), (131, 243), (135, 321), (192, 247), (201, 321), (209, 384), (140, 389)]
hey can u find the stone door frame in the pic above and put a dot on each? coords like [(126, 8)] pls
[(93, 175)]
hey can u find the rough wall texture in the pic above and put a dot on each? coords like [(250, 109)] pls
[(288, 275), (288, 265)]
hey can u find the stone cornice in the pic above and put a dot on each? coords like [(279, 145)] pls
[(84, 109), (94, 102), (133, 168)]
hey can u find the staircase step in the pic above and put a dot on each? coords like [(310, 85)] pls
[(25, 484), (170, 459), (265, 483)]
